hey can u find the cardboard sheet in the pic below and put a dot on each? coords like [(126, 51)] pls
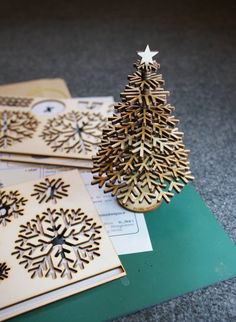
[(54, 88)]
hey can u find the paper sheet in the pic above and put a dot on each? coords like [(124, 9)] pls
[(127, 230)]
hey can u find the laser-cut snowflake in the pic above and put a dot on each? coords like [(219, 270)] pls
[(4, 270), (57, 243), (74, 131), (15, 126), (50, 190), (11, 206)]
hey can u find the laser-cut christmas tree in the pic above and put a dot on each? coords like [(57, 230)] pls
[(142, 158)]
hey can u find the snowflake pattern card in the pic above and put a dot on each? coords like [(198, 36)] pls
[(58, 128), (104, 104), (52, 243)]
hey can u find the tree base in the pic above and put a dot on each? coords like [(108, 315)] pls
[(143, 206)]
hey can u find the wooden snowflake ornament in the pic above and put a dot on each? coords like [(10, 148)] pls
[(74, 132), (15, 127), (142, 158), (57, 243)]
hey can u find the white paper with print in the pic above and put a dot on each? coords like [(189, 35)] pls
[(127, 230)]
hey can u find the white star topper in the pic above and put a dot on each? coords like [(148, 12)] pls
[(147, 55)]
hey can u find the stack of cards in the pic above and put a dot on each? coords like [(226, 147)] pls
[(62, 132), (52, 243)]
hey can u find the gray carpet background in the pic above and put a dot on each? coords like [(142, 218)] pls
[(92, 45)]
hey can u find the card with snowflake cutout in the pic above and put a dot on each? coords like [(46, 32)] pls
[(47, 127), (52, 243), (97, 104)]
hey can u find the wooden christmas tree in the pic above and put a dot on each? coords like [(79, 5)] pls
[(141, 157)]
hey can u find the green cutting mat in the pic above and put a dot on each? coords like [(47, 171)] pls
[(191, 251)]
